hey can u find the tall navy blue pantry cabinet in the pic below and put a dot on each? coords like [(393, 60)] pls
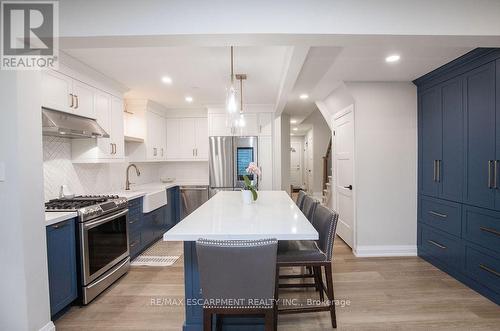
[(459, 169)]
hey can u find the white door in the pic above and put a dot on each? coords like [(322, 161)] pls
[(296, 163), (56, 91), (117, 137), (84, 99), (310, 162), (343, 125), (201, 131), (265, 159)]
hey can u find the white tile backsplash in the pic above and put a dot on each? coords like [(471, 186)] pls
[(86, 178), (195, 172)]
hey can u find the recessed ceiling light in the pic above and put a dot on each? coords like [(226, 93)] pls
[(392, 58), (166, 80), (293, 121), (188, 99), (304, 96), (295, 129)]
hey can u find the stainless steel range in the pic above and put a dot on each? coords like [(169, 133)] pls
[(103, 240)]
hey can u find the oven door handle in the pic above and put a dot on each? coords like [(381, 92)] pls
[(104, 220)]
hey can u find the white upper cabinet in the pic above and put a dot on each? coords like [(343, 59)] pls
[(251, 127), (63, 93), (266, 124), (117, 126), (57, 91), (187, 139), (201, 131), (109, 115), (84, 99), (217, 125), (156, 141), (256, 124)]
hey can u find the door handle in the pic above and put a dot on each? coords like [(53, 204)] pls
[(111, 145), (349, 187), (482, 266), (495, 174), (438, 170), (76, 106), (437, 214), (72, 100), (436, 244), (493, 231), (490, 163), (434, 175)]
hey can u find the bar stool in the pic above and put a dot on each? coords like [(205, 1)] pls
[(238, 278), (300, 199), (309, 206), (315, 254)]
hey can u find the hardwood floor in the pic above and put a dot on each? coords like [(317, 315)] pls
[(383, 293)]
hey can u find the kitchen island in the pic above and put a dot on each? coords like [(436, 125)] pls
[(225, 217)]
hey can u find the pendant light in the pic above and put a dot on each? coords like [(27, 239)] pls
[(240, 123), (231, 97)]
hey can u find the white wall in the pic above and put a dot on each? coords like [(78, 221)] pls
[(285, 152), (24, 292), (321, 136), (386, 165)]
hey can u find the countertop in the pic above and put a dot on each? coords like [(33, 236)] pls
[(54, 217), (141, 190), (226, 217)]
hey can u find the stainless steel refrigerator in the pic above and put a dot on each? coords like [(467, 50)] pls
[(228, 159)]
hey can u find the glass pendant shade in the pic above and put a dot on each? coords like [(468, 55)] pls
[(231, 103)]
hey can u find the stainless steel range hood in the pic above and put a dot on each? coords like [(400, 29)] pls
[(56, 123)]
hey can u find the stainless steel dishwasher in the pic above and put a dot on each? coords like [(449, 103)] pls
[(192, 196)]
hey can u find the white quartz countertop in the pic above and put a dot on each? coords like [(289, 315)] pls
[(54, 217), (141, 190), (226, 217)]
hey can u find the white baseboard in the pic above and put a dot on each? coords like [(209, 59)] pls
[(48, 327), (385, 251)]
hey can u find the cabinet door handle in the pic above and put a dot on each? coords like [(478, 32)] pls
[(260, 128), (437, 214), (72, 100), (482, 266), (111, 145), (436, 244), (439, 170), (434, 174), (162, 151), (490, 163), (196, 149), (131, 222), (490, 230), (154, 151), (76, 106), (495, 174)]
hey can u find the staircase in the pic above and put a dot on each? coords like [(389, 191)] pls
[(327, 175)]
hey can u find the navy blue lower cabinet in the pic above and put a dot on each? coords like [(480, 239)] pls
[(61, 260), (135, 226)]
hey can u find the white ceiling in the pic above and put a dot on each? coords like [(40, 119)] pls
[(203, 72), (325, 67), (200, 72)]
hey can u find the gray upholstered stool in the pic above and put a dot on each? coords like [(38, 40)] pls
[(300, 199), (315, 254), (238, 277)]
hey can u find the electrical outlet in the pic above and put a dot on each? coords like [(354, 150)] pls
[(2, 171)]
